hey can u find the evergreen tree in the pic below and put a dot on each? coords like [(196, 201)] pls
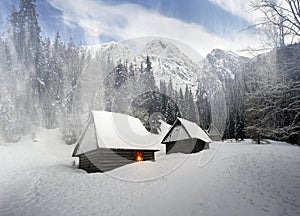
[(185, 103), (192, 115), (72, 108), (170, 90), (45, 78), (203, 107), (120, 75), (57, 79), (29, 30), (163, 87), (131, 71), (180, 101), (24, 38), (147, 77)]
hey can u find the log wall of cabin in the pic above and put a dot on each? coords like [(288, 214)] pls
[(102, 160), (186, 146)]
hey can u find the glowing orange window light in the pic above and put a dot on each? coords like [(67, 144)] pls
[(139, 156)]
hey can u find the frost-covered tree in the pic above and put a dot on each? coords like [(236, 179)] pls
[(146, 79), (163, 86), (45, 78), (218, 109), (120, 75), (188, 106), (8, 118), (203, 107), (23, 51), (56, 81), (39, 80), (71, 103), (170, 89), (122, 94), (25, 31), (279, 21), (8, 110), (272, 99)]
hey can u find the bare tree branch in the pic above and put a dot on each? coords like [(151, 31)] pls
[(283, 15)]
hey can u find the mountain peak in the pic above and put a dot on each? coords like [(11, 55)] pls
[(221, 54), (161, 47), (225, 63), (137, 45)]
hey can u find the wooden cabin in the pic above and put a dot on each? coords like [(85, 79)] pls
[(112, 140), (185, 137), (214, 133)]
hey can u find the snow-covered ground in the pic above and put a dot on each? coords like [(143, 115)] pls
[(37, 178)]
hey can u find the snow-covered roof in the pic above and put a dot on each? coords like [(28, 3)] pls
[(194, 130), (116, 131), (213, 131)]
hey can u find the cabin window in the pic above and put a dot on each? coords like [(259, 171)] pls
[(139, 156)]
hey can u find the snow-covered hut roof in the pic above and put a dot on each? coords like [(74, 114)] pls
[(114, 131), (214, 133), (192, 131), (212, 130)]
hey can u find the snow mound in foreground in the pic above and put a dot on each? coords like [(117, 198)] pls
[(46, 148)]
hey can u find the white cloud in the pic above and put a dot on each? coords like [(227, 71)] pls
[(125, 21), (244, 8), (241, 8)]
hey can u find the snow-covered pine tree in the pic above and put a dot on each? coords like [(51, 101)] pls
[(8, 111), (120, 75), (170, 89), (73, 68), (194, 117), (147, 81), (24, 42), (185, 105), (45, 77), (29, 31), (180, 101), (131, 71), (122, 95), (235, 92), (56, 86), (163, 87), (203, 107)]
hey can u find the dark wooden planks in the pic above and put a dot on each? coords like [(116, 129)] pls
[(186, 146), (102, 159)]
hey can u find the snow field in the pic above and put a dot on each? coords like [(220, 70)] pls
[(228, 179)]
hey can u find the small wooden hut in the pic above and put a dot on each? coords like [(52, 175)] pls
[(185, 137), (111, 140), (214, 133)]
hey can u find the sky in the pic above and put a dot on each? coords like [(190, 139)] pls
[(201, 24)]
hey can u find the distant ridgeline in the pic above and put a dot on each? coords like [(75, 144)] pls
[(50, 83)]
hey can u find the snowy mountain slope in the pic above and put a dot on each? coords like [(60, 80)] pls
[(225, 64), (228, 179), (173, 59), (116, 51), (138, 44), (169, 62)]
